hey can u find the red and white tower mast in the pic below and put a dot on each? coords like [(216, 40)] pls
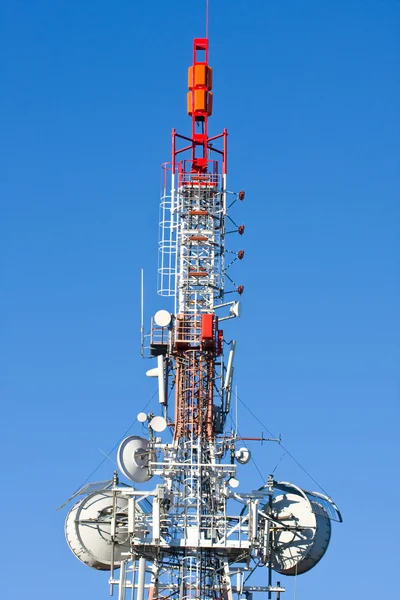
[(194, 535), (192, 270), (192, 256)]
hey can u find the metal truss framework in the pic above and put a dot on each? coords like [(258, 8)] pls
[(192, 536), (192, 557)]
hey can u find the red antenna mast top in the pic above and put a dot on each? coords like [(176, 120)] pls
[(199, 101)]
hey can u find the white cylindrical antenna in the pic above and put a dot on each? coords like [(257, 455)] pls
[(162, 397), (141, 577), (122, 575), (228, 376)]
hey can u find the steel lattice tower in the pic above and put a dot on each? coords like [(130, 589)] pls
[(192, 271), (189, 535)]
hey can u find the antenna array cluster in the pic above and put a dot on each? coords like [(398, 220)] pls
[(192, 534)]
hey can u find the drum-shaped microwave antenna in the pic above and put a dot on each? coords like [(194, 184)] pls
[(243, 455), (158, 424), (300, 545), (162, 318), (152, 372), (88, 530), (233, 482), (133, 459)]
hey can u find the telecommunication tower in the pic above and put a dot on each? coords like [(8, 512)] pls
[(194, 535)]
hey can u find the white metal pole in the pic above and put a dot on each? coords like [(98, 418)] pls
[(141, 578), (142, 299), (121, 588)]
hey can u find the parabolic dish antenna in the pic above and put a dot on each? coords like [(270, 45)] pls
[(301, 546), (158, 424), (152, 372), (142, 417), (133, 459), (88, 530), (162, 318), (236, 309), (243, 456)]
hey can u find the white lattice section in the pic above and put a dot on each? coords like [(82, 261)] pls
[(200, 245)]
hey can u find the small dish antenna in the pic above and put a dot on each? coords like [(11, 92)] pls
[(236, 309), (233, 482), (152, 372), (133, 458), (142, 417), (243, 455), (158, 424), (162, 318)]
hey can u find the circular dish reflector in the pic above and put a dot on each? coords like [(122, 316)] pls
[(162, 318), (152, 372), (88, 530), (296, 551), (233, 482), (236, 309), (243, 456), (133, 459), (158, 424), (142, 417)]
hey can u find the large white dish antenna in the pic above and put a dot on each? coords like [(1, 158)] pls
[(300, 548), (133, 459), (162, 318), (88, 530)]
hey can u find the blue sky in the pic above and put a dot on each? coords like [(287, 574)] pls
[(309, 91)]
